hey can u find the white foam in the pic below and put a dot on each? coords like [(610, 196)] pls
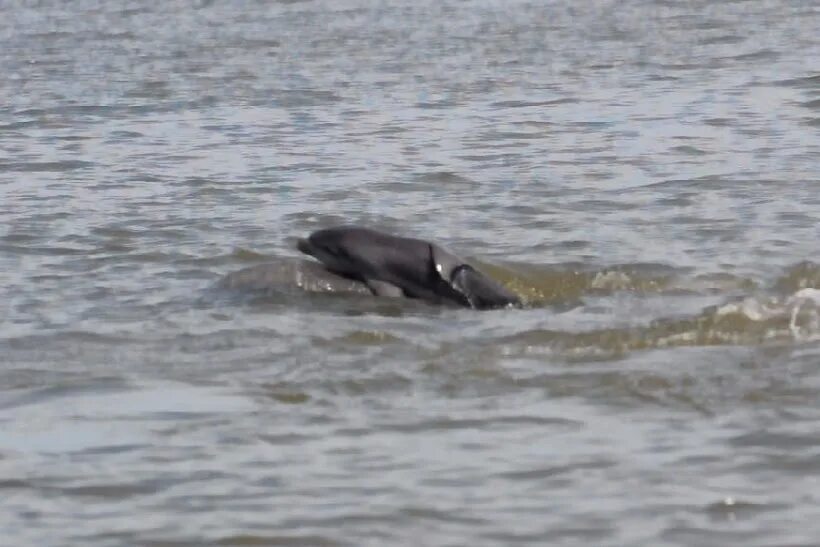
[(811, 325)]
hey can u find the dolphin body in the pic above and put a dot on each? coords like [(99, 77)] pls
[(404, 267)]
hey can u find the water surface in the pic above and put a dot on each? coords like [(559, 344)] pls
[(643, 173)]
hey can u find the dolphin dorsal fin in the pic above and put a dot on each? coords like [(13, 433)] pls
[(446, 263)]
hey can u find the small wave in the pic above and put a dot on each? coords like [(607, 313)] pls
[(800, 276), (751, 321), (564, 283), (45, 166)]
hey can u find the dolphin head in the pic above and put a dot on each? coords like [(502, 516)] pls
[(328, 247)]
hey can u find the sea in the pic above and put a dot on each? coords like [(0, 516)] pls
[(645, 174)]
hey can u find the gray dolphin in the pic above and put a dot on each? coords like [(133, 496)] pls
[(308, 275), (398, 266)]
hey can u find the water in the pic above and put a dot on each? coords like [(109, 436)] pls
[(643, 173)]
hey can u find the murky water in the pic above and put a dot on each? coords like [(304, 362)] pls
[(645, 174)]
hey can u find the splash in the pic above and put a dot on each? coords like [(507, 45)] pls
[(805, 326)]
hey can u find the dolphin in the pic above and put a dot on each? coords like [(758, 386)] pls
[(404, 267), (308, 275)]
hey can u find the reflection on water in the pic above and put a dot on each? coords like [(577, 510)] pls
[(643, 174)]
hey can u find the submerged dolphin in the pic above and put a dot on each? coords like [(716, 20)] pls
[(308, 275), (398, 266)]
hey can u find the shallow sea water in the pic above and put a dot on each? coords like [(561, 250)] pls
[(644, 174)]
